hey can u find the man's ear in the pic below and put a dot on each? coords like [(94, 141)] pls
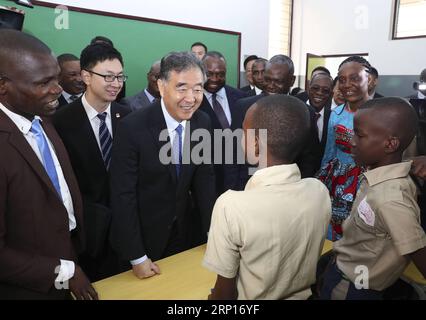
[(3, 86), (292, 79), (392, 144), (256, 145), (160, 84), (85, 76)]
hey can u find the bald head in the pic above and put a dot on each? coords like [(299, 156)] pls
[(15, 46), (395, 115), (286, 120)]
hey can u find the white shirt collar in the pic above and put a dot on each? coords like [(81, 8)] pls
[(420, 95), (91, 112), (171, 122), (221, 93), (67, 96), (322, 110), (150, 96), (23, 124)]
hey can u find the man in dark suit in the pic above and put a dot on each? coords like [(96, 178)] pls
[(320, 93), (150, 191), (70, 79), (147, 96), (248, 63), (219, 102), (40, 203), (80, 127), (279, 78)]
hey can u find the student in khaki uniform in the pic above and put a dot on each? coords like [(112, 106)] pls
[(383, 232), (264, 242)]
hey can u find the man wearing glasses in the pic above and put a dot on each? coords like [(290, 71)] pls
[(87, 127)]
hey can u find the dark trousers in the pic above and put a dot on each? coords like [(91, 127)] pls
[(336, 287)]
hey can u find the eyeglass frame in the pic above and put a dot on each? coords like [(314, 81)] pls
[(124, 77)]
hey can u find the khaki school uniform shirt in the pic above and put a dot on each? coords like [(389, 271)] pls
[(270, 235), (384, 227)]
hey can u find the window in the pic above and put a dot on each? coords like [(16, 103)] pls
[(409, 19), (280, 27)]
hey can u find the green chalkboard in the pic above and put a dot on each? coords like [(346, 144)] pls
[(140, 41)]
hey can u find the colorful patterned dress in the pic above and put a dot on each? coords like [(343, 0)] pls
[(338, 170)]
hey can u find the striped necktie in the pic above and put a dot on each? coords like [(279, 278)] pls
[(105, 139)]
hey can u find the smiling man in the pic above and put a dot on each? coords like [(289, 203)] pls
[(152, 216), (40, 203), (87, 128)]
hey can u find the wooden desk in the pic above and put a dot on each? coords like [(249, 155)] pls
[(182, 278)]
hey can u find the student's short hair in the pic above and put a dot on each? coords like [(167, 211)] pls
[(321, 68), (199, 44), (101, 39), (65, 57), (98, 52), (214, 54), (248, 59), (178, 62), (374, 72), (283, 59), (286, 119), (398, 115), (359, 60)]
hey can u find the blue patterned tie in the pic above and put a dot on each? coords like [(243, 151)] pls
[(177, 148), (105, 139), (43, 147)]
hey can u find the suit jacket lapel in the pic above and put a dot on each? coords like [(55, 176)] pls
[(84, 132), (158, 124), (115, 117)]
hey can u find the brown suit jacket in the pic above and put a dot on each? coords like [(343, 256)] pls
[(34, 227)]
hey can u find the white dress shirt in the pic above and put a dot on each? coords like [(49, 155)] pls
[(150, 97), (95, 122), (67, 267), (171, 128), (223, 100)]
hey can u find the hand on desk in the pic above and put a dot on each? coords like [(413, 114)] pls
[(80, 286), (146, 269)]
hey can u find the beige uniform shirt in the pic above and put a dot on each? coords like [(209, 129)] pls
[(271, 234), (383, 227)]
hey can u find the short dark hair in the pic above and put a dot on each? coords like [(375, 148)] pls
[(322, 75), (214, 54), (359, 60), (287, 122), (101, 39), (283, 59), (98, 52), (14, 42), (321, 68), (374, 72), (178, 62), (397, 115), (248, 59), (199, 44), (65, 57)]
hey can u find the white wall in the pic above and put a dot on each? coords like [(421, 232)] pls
[(250, 17), (354, 26)]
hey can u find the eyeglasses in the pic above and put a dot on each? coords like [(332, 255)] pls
[(110, 77)]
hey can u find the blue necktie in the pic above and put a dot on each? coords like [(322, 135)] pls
[(43, 147), (105, 139), (177, 148)]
